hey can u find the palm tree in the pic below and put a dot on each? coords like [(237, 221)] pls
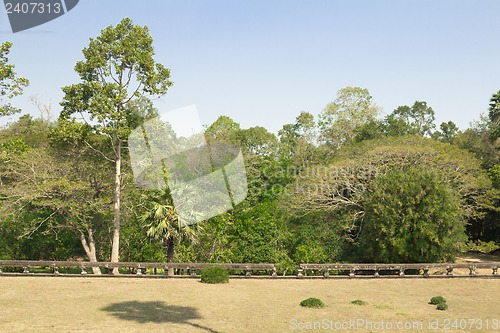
[(162, 221)]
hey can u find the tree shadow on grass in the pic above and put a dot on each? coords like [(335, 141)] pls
[(156, 312)]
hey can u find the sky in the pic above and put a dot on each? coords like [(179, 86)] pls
[(262, 62)]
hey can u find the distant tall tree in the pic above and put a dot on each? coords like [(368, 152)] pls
[(10, 84), (494, 115), (224, 129), (449, 131), (341, 119), (118, 68), (419, 117), (297, 140)]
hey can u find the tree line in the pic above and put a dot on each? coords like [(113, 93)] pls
[(348, 185)]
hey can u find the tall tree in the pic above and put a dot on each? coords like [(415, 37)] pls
[(118, 68), (298, 140), (419, 117), (341, 119), (448, 132), (10, 84), (62, 186), (494, 115)]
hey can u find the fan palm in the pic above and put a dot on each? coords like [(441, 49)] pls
[(162, 221)]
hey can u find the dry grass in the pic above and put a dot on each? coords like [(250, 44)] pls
[(37, 304)]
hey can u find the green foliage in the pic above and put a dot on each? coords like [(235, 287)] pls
[(312, 303), (494, 173), (258, 234), (448, 133), (342, 187), (118, 54), (359, 302), (482, 246), (341, 119), (305, 204), (14, 147), (316, 239), (224, 129), (411, 216), (10, 84), (494, 115), (419, 118), (214, 274), (442, 307), (437, 300)]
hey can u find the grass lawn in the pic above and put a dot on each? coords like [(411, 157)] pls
[(40, 304)]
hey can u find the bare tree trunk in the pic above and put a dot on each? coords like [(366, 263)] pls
[(89, 247), (170, 254), (116, 206)]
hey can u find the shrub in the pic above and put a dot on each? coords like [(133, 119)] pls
[(312, 303), (437, 300), (400, 213), (214, 274), (442, 306), (359, 302)]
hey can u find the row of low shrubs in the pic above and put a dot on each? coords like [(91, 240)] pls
[(313, 302), (216, 274)]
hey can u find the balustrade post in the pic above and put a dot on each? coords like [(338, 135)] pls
[(84, 270), (274, 274), (326, 275), (56, 270), (495, 270), (352, 272), (472, 270), (449, 271), (300, 273), (402, 272), (26, 270), (426, 271)]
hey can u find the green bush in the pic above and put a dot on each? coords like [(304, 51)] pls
[(442, 306), (437, 300), (359, 302), (401, 210), (312, 303), (214, 274)]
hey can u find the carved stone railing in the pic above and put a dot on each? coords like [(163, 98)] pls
[(134, 268), (187, 270), (397, 270)]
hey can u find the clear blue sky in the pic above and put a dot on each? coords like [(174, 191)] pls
[(261, 62)]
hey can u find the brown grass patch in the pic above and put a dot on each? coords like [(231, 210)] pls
[(37, 304)]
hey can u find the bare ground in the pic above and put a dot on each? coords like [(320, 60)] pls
[(52, 304)]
